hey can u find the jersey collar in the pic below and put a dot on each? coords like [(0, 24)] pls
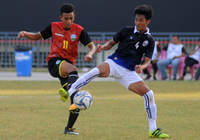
[(136, 31)]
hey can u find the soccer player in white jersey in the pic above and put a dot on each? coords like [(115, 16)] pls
[(124, 64), (174, 51), (192, 59)]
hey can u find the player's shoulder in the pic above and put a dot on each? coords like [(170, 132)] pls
[(126, 29), (56, 23), (77, 26), (149, 36)]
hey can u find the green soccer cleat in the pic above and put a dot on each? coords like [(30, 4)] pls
[(158, 134), (64, 95)]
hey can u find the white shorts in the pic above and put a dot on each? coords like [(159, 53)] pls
[(122, 75)]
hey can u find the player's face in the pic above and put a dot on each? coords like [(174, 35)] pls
[(67, 19), (175, 40), (141, 23)]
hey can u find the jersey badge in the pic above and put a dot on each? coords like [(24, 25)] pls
[(115, 58), (145, 43), (73, 37), (58, 62), (131, 37)]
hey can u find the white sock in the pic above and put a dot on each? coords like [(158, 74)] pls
[(84, 80), (150, 106)]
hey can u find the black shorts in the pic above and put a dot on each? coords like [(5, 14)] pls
[(54, 68), (190, 61)]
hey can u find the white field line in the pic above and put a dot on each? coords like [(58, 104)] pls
[(96, 98)]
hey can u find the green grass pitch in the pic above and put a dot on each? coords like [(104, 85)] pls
[(32, 110)]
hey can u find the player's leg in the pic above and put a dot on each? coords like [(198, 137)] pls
[(150, 107), (197, 74), (155, 69), (56, 69), (145, 71), (73, 115), (161, 66), (67, 69), (185, 68), (191, 62), (175, 63), (73, 110), (101, 70), (134, 83), (149, 102), (67, 74)]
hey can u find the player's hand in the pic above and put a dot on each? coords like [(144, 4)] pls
[(88, 58), (154, 61), (21, 34), (98, 48), (138, 68), (175, 57)]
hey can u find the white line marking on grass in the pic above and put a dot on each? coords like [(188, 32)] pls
[(96, 98), (142, 98)]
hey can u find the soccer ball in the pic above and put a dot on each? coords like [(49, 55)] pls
[(83, 100)]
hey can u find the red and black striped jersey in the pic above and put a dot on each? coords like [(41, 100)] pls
[(64, 42)]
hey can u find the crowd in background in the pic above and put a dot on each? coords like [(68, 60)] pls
[(173, 56)]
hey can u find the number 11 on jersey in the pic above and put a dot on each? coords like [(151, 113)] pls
[(65, 44)]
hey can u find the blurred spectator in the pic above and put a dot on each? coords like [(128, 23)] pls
[(154, 59), (197, 74), (175, 50), (192, 59)]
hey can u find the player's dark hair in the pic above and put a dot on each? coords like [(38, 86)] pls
[(67, 8), (145, 10), (175, 36)]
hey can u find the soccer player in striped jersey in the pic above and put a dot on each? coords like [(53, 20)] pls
[(64, 52), (134, 42)]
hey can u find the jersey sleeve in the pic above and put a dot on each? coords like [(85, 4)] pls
[(149, 49), (46, 32), (184, 50), (85, 38), (117, 37)]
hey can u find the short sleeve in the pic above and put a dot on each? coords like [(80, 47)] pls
[(46, 32), (149, 49), (117, 37), (85, 38)]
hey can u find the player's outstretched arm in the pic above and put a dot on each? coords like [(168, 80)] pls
[(140, 68), (108, 45), (88, 57), (29, 35)]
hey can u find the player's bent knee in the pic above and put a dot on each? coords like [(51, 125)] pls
[(139, 88), (65, 68), (150, 96)]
